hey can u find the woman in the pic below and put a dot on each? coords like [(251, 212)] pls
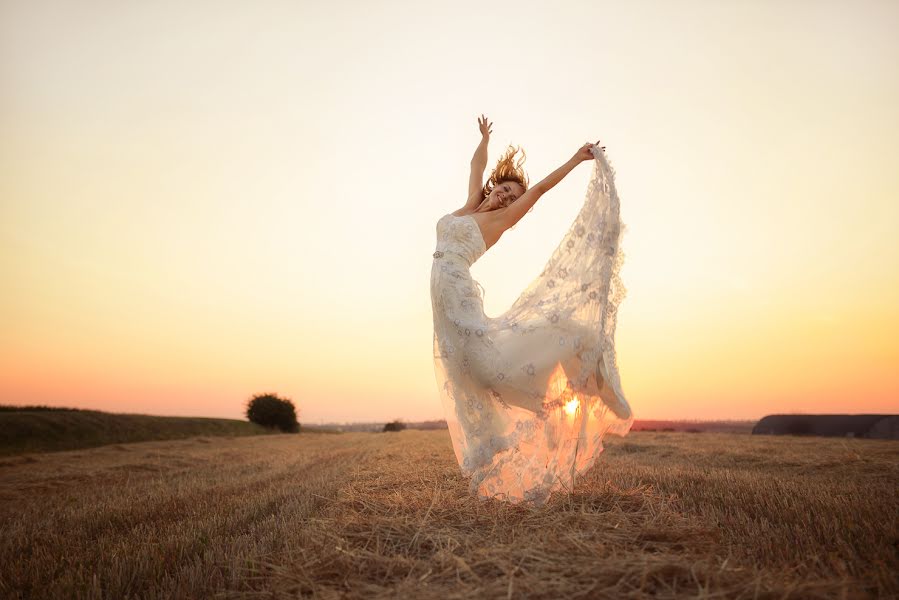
[(530, 394)]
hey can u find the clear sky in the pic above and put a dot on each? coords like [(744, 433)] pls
[(201, 201)]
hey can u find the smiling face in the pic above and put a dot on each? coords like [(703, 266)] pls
[(503, 194)]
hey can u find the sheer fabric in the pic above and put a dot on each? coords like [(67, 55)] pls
[(530, 394)]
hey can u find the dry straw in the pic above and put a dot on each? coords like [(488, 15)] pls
[(664, 515)]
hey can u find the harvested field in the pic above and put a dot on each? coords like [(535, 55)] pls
[(365, 515)]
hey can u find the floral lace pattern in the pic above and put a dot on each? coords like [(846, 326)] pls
[(529, 395)]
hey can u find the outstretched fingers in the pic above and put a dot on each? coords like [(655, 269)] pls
[(484, 126)]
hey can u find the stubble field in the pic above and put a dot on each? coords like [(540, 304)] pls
[(363, 515)]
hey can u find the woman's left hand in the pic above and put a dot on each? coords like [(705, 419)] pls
[(586, 152)]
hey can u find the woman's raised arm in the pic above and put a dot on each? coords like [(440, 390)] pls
[(513, 213), (478, 166)]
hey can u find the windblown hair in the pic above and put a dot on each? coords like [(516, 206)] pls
[(507, 169)]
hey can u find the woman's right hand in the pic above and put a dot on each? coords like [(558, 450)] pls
[(484, 126)]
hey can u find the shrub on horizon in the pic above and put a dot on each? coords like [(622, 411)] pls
[(271, 411), (395, 426)]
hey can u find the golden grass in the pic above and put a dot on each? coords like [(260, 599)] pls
[(363, 515)]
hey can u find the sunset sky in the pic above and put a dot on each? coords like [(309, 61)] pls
[(201, 201)]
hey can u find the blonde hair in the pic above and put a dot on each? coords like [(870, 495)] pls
[(507, 169)]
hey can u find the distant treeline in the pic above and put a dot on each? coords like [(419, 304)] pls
[(863, 426), (694, 426), (32, 407), (736, 426), (373, 426)]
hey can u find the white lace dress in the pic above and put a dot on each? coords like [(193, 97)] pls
[(529, 395)]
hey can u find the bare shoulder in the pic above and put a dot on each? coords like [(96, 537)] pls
[(473, 200), (492, 225)]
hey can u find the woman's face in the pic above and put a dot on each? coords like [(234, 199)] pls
[(503, 195)]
